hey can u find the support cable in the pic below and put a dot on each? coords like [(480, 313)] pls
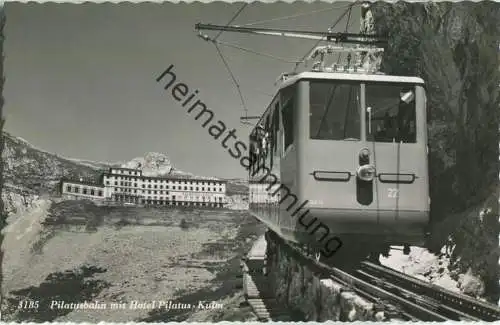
[(346, 30), (217, 43), (224, 60), (232, 19), (233, 78)]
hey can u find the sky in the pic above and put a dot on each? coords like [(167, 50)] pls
[(80, 79)]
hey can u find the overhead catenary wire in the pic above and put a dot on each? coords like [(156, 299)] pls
[(259, 91), (255, 52), (295, 16)]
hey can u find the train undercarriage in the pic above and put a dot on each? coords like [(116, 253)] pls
[(351, 251), (346, 250)]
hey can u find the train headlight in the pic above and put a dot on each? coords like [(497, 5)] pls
[(364, 153), (366, 173), (364, 157)]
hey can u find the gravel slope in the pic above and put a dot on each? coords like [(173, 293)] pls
[(121, 255)]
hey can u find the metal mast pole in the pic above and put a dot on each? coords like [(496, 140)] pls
[(368, 60)]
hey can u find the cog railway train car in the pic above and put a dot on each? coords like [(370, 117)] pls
[(339, 162)]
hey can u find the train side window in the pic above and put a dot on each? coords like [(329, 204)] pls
[(287, 113), (391, 113), (334, 111), (272, 137), (259, 145), (266, 142), (254, 152), (276, 127)]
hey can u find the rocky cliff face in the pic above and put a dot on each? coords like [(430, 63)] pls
[(29, 168), (15, 200), (454, 47)]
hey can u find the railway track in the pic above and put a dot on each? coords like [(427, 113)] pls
[(455, 306), (398, 295)]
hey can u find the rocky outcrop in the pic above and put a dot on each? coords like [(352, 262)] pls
[(470, 284), (316, 297), (152, 164), (158, 164), (33, 169), (16, 201)]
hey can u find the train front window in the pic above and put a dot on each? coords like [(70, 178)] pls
[(334, 111), (390, 113)]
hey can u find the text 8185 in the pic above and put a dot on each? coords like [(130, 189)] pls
[(28, 304)]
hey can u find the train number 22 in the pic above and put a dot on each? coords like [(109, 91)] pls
[(392, 193)]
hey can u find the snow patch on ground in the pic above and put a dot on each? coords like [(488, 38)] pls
[(422, 264)]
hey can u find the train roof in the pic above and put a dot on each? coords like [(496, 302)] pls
[(350, 77)]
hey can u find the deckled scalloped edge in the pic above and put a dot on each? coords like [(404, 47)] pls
[(2, 3), (228, 1), (260, 323)]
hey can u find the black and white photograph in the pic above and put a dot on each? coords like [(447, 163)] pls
[(250, 161)]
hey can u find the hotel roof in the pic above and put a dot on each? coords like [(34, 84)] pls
[(81, 182), (175, 178), (123, 168)]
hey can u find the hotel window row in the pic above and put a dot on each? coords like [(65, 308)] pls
[(167, 187), (138, 189), (76, 189), (164, 180), (163, 202), (126, 171), (135, 191)]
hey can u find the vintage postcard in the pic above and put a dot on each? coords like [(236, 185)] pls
[(209, 162)]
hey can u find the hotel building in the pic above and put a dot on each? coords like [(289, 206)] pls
[(130, 186)]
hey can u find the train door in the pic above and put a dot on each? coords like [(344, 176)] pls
[(275, 162), (396, 146), (263, 163), (331, 146)]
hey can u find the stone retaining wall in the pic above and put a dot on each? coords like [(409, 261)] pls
[(315, 296)]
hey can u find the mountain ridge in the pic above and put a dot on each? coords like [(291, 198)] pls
[(27, 166)]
